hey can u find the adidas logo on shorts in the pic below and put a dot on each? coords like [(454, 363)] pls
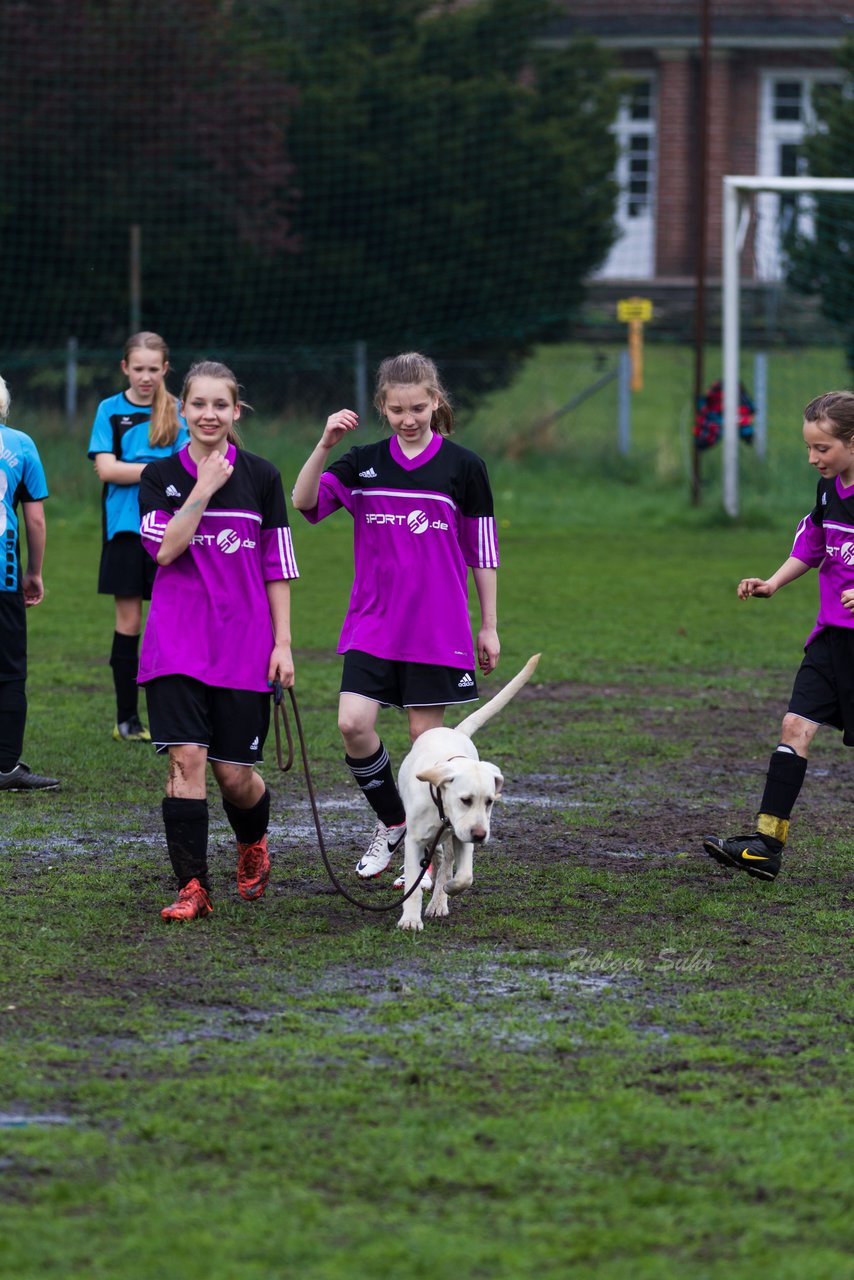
[(466, 682), (253, 745), (370, 474)]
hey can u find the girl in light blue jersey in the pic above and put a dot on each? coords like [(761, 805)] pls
[(131, 429)]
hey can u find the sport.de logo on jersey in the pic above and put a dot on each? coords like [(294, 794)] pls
[(416, 522), (227, 540)]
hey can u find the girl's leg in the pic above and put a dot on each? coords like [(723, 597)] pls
[(423, 718), (369, 763), (124, 660), (246, 801), (185, 817), (759, 854)]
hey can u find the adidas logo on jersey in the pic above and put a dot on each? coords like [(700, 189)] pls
[(172, 492), (370, 474), (466, 682)]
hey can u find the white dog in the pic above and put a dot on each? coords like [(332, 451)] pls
[(443, 763)]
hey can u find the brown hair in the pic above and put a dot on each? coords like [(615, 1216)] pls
[(5, 399), (163, 427), (836, 408), (414, 370), (214, 369)]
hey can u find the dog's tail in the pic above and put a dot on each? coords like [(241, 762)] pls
[(477, 718)]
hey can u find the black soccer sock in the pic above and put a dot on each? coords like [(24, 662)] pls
[(249, 825), (786, 773), (186, 823), (124, 659), (375, 780), (13, 720)]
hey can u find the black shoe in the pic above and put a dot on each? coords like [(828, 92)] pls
[(22, 778), (753, 854)]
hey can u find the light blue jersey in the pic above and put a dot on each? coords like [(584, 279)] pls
[(22, 479), (121, 428)]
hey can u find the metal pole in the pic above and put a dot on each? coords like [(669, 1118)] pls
[(624, 404), (760, 395), (731, 347), (71, 380), (702, 215), (361, 375), (135, 278)]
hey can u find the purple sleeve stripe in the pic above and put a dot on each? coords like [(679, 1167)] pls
[(153, 525), (286, 557), (487, 545)]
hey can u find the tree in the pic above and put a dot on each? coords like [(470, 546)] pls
[(821, 263)]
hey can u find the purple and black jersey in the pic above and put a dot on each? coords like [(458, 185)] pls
[(825, 541), (210, 615), (419, 523)]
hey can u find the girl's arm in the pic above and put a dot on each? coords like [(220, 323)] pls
[(307, 486), (788, 572), (110, 470), (34, 523), (281, 660), (213, 472), (488, 645)]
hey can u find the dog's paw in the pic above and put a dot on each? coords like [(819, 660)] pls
[(415, 923), (459, 884), (435, 910)]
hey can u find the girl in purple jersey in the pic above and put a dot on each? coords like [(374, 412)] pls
[(218, 634), (422, 516), (823, 691)]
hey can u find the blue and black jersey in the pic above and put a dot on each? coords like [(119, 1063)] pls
[(22, 479), (121, 428)]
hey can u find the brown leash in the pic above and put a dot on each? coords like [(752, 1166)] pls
[(279, 714)]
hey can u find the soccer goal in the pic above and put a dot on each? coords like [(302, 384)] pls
[(743, 207)]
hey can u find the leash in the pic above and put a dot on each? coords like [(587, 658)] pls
[(279, 714)]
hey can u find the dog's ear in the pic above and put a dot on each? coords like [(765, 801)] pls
[(438, 775), (499, 778)]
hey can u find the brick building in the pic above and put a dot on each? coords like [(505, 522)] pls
[(768, 60)]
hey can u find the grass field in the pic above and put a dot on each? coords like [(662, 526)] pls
[(613, 1060)]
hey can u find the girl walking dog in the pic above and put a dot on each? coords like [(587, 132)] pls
[(422, 515), (823, 691), (218, 634), (131, 429)]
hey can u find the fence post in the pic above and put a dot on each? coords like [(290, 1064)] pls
[(760, 395), (71, 380), (624, 403)]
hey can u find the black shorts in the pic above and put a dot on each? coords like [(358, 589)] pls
[(13, 636), (824, 685), (406, 684), (126, 568), (231, 723)]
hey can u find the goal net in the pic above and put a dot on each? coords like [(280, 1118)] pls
[(788, 303)]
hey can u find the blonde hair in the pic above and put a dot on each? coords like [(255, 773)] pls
[(214, 369), (5, 399), (411, 369), (164, 425)]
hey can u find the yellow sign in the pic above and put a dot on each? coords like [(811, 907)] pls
[(629, 309)]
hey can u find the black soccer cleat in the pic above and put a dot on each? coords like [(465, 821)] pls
[(753, 854)]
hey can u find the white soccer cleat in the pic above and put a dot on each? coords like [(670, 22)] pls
[(426, 880), (384, 845)]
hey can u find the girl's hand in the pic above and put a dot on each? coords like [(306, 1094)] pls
[(281, 667), (488, 649), (337, 426), (754, 587), (847, 599), (213, 472)]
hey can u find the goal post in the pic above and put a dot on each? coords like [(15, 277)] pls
[(737, 191)]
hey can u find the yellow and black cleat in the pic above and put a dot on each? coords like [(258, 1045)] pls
[(753, 854)]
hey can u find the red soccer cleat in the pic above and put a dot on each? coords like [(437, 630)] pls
[(192, 903), (253, 869)]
